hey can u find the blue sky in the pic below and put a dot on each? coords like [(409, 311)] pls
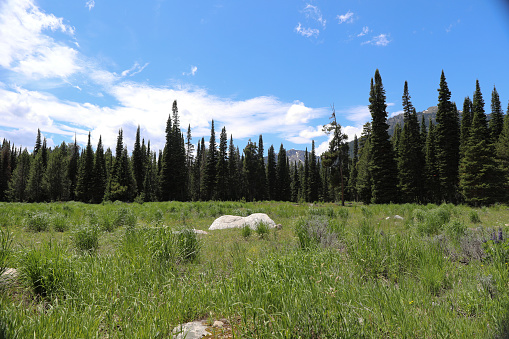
[(255, 67)]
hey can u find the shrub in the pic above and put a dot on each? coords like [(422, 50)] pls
[(474, 217), (107, 222), (246, 231), (60, 223), (432, 221), (46, 271), (188, 244), (455, 229), (172, 246), (37, 222), (262, 229), (343, 213), (314, 231), (86, 239), (125, 217)]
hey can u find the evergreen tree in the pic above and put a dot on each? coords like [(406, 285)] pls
[(352, 181), (262, 175), (502, 152), (497, 116), (121, 184), (295, 185), (364, 179), (480, 177), (189, 161), (38, 143), (196, 174), (35, 189), (139, 163), (85, 184), (432, 174), (5, 169), (283, 176), (19, 180), (447, 143), (150, 182), (251, 170), (466, 122), (383, 167), (411, 158), (55, 180), (271, 173), (233, 172), (72, 169), (396, 140), (305, 178), (314, 175), (424, 135), (210, 170), (100, 177), (221, 192)]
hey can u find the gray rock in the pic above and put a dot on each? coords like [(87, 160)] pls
[(191, 330), (9, 276), (398, 217), (234, 221)]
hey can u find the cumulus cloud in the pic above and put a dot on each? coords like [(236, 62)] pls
[(26, 50), (307, 32), (90, 4), (314, 13), (379, 40), (345, 18)]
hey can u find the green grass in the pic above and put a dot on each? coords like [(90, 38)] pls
[(330, 271)]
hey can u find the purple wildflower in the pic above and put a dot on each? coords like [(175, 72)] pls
[(500, 235)]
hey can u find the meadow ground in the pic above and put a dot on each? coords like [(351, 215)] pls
[(136, 271)]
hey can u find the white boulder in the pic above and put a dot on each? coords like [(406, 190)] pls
[(234, 221)]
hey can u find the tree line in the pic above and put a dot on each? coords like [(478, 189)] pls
[(455, 160)]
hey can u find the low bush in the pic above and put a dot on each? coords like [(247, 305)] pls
[(314, 231), (246, 231), (37, 222), (60, 222), (262, 229), (86, 239)]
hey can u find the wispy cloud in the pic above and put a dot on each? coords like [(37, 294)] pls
[(134, 70), (314, 13), (307, 32), (365, 30), (346, 18), (451, 26), (90, 4), (379, 40), (193, 71)]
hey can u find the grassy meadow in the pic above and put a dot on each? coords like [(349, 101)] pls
[(137, 271)]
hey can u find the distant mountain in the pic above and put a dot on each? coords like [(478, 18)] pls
[(431, 112), (293, 155)]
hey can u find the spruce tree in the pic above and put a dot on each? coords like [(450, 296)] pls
[(480, 177), (262, 175), (100, 176), (396, 140), (502, 152), (432, 174), (466, 122), (364, 179), (150, 182), (210, 170), (352, 180), (221, 192), (447, 143), (17, 185), (72, 169), (271, 173), (5, 169), (38, 143), (497, 116), (314, 175), (138, 162), (295, 185), (411, 158), (55, 180), (251, 170), (121, 184), (35, 189), (85, 184), (283, 176), (384, 172), (233, 172), (305, 177)]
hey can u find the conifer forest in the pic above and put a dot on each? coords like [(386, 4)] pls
[(461, 158)]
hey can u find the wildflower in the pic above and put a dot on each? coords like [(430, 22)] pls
[(411, 302), (500, 235)]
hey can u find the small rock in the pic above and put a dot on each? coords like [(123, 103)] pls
[(191, 330), (398, 217), (279, 226), (9, 276), (218, 324), (387, 218)]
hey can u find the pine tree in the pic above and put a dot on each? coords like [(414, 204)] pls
[(432, 174), (262, 175), (35, 189), (447, 143), (166, 170), (480, 177), (233, 172), (139, 164), (251, 170), (305, 178), (100, 176), (17, 185), (271, 173), (502, 152), (221, 192), (411, 158), (497, 116), (383, 167), (295, 185), (55, 180), (352, 180), (396, 140), (44, 151), (283, 176), (72, 169), (85, 184), (466, 122), (423, 135), (314, 176), (364, 179), (121, 184), (5, 169), (210, 170), (38, 143), (151, 179)]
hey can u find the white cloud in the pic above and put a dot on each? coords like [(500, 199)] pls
[(379, 40), (24, 48), (358, 114), (194, 69), (365, 30), (314, 13), (134, 70), (307, 32), (90, 4), (306, 135), (346, 18)]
